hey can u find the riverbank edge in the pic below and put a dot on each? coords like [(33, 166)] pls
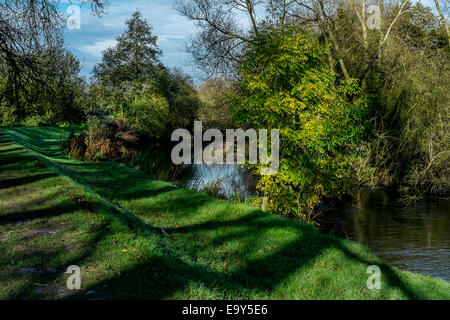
[(399, 284)]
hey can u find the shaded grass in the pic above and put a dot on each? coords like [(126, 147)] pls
[(180, 244)]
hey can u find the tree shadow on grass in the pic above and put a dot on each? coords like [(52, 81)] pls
[(389, 274), (180, 268), (265, 273), (41, 275), (16, 182), (36, 141), (168, 275), (10, 149), (27, 215), (14, 160)]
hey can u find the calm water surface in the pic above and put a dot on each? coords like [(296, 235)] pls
[(232, 179), (415, 239)]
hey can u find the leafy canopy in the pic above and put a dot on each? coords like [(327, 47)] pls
[(288, 85)]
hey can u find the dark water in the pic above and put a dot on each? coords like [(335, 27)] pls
[(414, 239)]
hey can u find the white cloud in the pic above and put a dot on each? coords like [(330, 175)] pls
[(172, 29), (98, 47)]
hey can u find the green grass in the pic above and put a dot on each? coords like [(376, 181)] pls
[(180, 244)]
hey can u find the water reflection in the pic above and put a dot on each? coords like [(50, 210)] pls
[(233, 179), (415, 239)]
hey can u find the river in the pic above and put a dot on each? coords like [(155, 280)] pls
[(416, 239)]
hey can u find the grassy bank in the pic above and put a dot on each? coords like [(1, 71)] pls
[(135, 237)]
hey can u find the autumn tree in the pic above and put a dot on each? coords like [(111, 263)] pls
[(287, 85)]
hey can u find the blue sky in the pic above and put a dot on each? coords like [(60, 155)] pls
[(98, 33)]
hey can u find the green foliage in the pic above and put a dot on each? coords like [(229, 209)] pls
[(179, 90), (408, 81), (214, 109), (56, 96), (410, 148), (150, 112), (287, 85), (7, 116), (103, 102), (180, 244), (131, 83)]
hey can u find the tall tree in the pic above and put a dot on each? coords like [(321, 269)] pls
[(227, 27), (133, 58), (286, 85)]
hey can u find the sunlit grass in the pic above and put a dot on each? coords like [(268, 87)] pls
[(135, 237)]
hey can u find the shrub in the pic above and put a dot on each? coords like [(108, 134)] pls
[(104, 140), (77, 147), (150, 112), (7, 116)]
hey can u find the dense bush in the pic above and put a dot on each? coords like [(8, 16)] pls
[(410, 149), (104, 140), (56, 95), (287, 85)]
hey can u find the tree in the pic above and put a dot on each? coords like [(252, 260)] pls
[(287, 85), (223, 36), (178, 88), (214, 109), (218, 47), (401, 64), (133, 83), (57, 96), (444, 20), (408, 149), (63, 98), (27, 29), (134, 58)]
